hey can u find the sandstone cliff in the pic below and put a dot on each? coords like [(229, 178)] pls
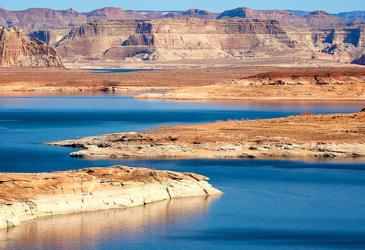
[(93, 39), (196, 38), (28, 196), (16, 49), (176, 39), (242, 33)]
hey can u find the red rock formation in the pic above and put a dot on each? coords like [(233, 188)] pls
[(16, 49)]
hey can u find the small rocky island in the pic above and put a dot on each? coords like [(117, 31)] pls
[(28, 196), (300, 136)]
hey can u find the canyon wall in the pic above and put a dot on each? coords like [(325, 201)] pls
[(174, 39), (16, 49), (241, 33), (93, 39), (197, 38)]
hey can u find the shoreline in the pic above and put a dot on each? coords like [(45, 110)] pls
[(143, 95), (240, 83), (299, 136), (29, 196)]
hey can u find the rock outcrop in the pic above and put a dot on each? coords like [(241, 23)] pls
[(27, 196), (17, 49), (176, 39), (47, 36), (116, 34), (198, 38), (302, 136), (94, 39)]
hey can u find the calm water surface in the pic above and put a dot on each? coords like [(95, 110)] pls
[(267, 204)]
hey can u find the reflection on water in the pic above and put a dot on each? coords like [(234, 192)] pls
[(85, 230), (267, 204)]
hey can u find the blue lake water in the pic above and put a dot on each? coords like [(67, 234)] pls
[(267, 204)]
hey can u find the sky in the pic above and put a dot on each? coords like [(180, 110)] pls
[(332, 6)]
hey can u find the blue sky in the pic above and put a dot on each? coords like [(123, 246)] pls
[(332, 6)]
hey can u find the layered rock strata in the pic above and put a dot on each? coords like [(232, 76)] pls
[(95, 38), (27, 196), (198, 38), (16, 49), (94, 34), (176, 39), (302, 136)]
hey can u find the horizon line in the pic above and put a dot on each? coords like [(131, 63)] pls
[(136, 10)]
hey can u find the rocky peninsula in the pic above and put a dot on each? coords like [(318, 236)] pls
[(278, 84), (300, 136), (27, 196)]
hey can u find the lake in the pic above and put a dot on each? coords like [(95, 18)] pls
[(267, 204)]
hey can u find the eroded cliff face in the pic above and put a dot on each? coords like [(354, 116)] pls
[(28, 196), (48, 36), (198, 38), (17, 49), (93, 39), (174, 39)]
